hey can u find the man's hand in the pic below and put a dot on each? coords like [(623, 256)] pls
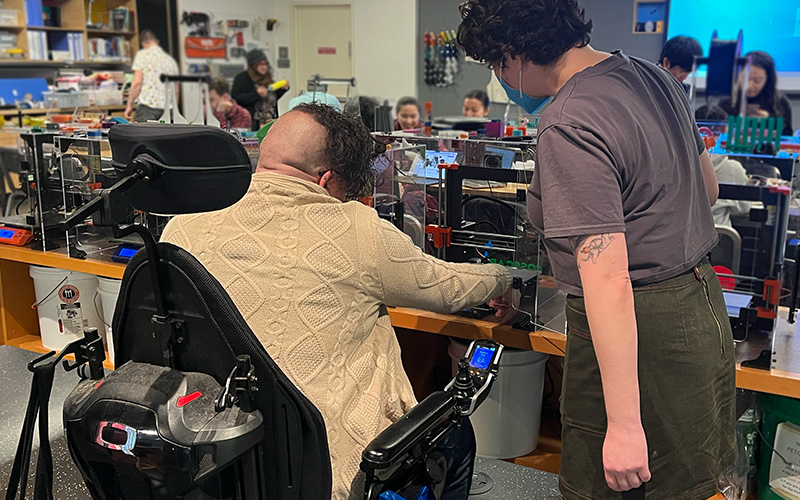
[(224, 106), (625, 457), (506, 305), (128, 115), (262, 91)]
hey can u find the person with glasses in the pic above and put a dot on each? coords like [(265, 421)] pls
[(622, 195)]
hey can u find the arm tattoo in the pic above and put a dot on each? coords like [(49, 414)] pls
[(588, 248)]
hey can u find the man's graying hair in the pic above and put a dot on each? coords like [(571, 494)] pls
[(349, 150)]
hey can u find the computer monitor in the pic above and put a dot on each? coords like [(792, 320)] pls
[(428, 169), (506, 156)]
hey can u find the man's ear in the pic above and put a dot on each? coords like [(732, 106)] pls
[(665, 63), (325, 178)]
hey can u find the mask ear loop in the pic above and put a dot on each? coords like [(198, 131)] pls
[(520, 82)]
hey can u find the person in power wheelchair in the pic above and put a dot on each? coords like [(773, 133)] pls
[(312, 276), (197, 408)]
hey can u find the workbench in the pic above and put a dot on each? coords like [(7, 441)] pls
[(20, 328)]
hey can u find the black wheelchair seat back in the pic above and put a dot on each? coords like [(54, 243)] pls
[(203, 332)]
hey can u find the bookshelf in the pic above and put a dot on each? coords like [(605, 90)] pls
[(79, 31)]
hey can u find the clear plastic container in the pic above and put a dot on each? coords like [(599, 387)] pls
[(108, 97), (65, 99)]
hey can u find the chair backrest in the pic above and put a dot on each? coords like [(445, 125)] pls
[(728, 251), (211, 333)]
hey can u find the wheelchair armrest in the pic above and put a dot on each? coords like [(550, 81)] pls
[(429, 415)]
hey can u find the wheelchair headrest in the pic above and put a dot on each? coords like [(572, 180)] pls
[(195, 168)]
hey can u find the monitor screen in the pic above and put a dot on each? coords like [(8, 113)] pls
[(773, 27), (482, 357), (127, 252), (507, 155), (428, 168), (6, 234)]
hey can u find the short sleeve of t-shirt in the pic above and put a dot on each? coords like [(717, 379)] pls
[(580, 185), (137, 61)]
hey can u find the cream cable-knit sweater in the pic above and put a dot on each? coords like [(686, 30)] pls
[(313, 276)]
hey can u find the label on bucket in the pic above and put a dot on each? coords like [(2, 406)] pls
[(71, 318), (783, 480), (68, 294)]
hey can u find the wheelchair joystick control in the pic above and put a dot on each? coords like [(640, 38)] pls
[(464, 386)]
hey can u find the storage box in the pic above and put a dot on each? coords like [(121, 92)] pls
[(65, 99), (9, 17), (7, 38), (108, 97)]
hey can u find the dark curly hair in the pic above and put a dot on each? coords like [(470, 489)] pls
[(540, 30), (349, 150)]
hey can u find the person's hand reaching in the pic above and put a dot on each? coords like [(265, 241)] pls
[(262, 91), (506, 305)]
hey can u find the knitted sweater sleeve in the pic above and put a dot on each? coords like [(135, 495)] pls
[(411, 278)]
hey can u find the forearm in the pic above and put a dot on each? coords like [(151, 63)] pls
[(411, 278), (134, 93), (609, 307), (608, 295), (709, 178)]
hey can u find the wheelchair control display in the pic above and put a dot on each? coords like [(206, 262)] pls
[(476, 373)]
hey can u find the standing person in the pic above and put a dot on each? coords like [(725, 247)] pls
[(148, 66), (627, 224), (476, 103), (764, 100), (678, 55), (225, 109), (408, 114), (251, 89)]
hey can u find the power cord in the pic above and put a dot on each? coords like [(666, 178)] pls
[(792, 467)]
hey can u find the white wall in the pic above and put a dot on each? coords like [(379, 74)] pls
[(384, 45)]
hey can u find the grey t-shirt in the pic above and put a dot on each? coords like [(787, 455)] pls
[(619, 151)]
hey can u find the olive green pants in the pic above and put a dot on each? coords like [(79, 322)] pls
[(687, 387)]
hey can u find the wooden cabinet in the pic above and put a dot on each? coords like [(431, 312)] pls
[(91, 25)]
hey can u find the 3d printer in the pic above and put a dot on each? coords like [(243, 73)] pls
[(463, 200)]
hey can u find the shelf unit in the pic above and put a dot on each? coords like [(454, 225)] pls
[(74, 18)]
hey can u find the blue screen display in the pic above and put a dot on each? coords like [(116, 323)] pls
[(773, 26), (127, 252), (482, 357), (6, 234)]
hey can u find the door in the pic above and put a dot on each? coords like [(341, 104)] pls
[(322, 42)]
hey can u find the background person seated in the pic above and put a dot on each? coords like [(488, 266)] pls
[(408, 114), (764, 100), (678, 55), (226, 110), (476, 103), (728, 172), (313, 276)]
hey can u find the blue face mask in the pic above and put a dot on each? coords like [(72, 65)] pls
[(530, 104)]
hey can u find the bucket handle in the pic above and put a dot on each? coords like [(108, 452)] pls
[(98, 309), (37, 304)]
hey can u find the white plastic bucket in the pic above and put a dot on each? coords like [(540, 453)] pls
[(507, 423), (64, 301), (108, 290)]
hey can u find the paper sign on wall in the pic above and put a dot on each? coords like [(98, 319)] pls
[(206, 47), (326, 50)]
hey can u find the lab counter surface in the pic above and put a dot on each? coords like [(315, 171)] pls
[(20, 327)]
